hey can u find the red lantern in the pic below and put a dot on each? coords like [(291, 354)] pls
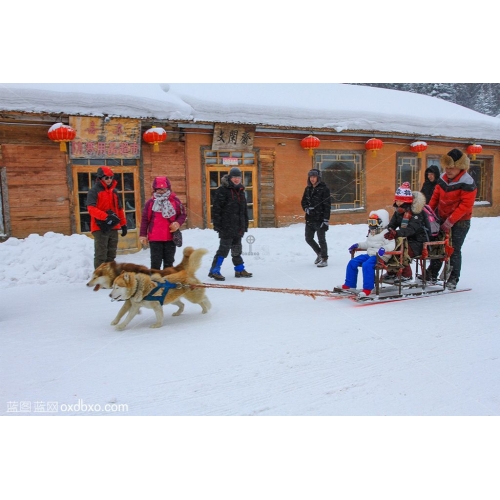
[(154, 136), (474, 149), (418, 147), (62, 134), (310, 142), (373, 145)]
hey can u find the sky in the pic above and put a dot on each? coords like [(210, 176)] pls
[(244, 457)]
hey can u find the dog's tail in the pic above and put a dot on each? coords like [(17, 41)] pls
[(195, 261)]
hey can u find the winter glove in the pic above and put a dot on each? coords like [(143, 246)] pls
[(446, 225), (390, 235), (109, 223), (124, 230), (308, 210), (326, 224), (381, 251), (353, 247)]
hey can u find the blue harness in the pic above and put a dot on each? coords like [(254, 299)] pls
[(164, 287)]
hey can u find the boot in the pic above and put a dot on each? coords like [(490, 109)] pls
[(215, 269), (323, 262), (239, 272), (318, 259)]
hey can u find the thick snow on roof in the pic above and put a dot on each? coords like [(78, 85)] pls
[(304, 106)]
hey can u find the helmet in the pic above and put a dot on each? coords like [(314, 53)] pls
[(374, 222)]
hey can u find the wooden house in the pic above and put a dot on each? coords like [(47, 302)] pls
[(44, 188)]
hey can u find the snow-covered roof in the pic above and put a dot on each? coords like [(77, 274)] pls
[(308, 106)]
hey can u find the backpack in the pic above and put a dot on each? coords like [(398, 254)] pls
[(432, 222)]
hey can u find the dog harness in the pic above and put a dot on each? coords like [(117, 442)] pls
[(164, 287)]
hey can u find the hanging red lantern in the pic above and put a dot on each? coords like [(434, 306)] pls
[(418, 147), (310, 142), (474, 149), (62, 134), (154, 136), (373, 145)]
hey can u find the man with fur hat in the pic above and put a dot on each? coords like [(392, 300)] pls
[(409, 218), (453, 200), (317, 205), (230, 220), (106, 216)]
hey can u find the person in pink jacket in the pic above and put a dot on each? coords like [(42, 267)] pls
[(163, 214)]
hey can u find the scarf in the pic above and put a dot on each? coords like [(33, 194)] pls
[(163, 205)]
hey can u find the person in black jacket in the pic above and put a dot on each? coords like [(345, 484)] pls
[(230, 220), (432, 175), (317, 205), (409, 218)]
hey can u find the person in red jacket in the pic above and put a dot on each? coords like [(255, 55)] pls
[(106, 216), (453, 200), (163, 214)]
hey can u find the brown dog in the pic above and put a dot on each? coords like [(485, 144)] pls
[(135, 289), (106, 273)]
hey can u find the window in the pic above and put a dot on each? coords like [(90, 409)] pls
[(343, 173), (481, 170), (408, 170)]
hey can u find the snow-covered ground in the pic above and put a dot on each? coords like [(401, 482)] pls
[(255, 354)]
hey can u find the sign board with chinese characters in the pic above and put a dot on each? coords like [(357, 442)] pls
[(233, 138), (230, 161), (110, 138)]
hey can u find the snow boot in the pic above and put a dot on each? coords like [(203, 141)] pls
[(318, 260), (215, 269), (323, 262), (240, 272)]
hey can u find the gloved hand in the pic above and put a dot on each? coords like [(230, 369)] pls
[(446, 225), (353, 247), (381, 251), (390, 235), (325, 223), (111, 220), (308, 210), (124, 230)]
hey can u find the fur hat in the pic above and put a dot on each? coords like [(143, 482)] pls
[(455, 158), (314, 172), (234, 172), (104, 172), (160, 183), (403, 193)]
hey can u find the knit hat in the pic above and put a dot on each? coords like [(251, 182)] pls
[(104, 172), (455, 158), (314, 172), (160, 183), (403, 193), (234, 172)]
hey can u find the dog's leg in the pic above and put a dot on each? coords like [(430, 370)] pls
[(134, 309), (205, 305), (180, 305), (126, 307), (158, 309)]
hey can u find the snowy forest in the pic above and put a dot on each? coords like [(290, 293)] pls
[(481, 97)]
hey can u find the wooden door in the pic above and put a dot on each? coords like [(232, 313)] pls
[(129, 191)]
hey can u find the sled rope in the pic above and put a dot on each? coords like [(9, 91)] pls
[(295, 291)]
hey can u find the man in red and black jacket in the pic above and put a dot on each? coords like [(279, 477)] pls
[(453, 200), (106, 216)]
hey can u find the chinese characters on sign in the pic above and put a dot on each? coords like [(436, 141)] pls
[(233, 138), (98, 138)]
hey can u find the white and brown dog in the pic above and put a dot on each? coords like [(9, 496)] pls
[(138, 290)]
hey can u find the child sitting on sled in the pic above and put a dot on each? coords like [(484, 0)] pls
[(375, 245)]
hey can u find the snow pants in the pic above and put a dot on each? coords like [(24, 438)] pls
[(367, 264)]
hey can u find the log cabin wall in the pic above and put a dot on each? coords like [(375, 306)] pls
[(36, 179)]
